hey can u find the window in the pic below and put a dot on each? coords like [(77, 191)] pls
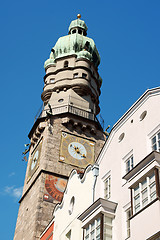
[(60, 100), (52, 80), (129, 164), (97, 220), (92, 231), (143, 115), (107, 228), (66, 64), (86, 46), (75, 75), (84, 75), (107, 187), (156, 142), (144, 192), (71, 205), (128, 215), (121, 137)]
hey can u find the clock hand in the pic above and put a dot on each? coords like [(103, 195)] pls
[(76, 149), (78, 152), (34, 160)]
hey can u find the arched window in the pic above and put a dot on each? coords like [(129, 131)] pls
[(66, 64), (86, 46)]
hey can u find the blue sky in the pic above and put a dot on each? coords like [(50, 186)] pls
[(127, 36)]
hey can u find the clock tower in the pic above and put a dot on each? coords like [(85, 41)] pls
[(66, 134)]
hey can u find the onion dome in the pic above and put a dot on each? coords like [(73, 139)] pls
[(76, 43)]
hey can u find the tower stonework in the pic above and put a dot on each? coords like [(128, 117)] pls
[(66, 135)]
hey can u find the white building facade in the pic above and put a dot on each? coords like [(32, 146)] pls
[(78, 196), (129, 169)]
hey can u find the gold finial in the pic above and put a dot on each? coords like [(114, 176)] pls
[(78, 15)]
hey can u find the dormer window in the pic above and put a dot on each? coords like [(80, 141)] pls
[(65, 64)]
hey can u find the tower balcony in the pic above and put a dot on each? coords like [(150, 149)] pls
[(69, 107)]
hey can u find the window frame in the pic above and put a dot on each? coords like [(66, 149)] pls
[(139, 194), (107, 187), (131, 164), (89, 229), (99, 208), (155, 145), (128, 226), (105, 228)]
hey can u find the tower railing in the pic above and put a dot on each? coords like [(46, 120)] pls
[(69, 107)]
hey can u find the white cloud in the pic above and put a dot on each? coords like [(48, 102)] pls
[(13, 191), (11, 174), (17, 192)]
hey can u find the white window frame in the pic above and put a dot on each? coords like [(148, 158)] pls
[(107, 187), (143, 193), (129, 166), (125, 159), (128, 227), (93, 229), (107, 227), (155, 142), (151, 135), (100, 208)]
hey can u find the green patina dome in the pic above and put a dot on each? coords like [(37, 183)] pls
[(85, 54), (75, 44), (78, 23)]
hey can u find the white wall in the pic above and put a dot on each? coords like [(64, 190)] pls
[(82, 190), (112, 158)]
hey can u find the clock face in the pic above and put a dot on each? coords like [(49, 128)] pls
[(34, 160), (76, 151)]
